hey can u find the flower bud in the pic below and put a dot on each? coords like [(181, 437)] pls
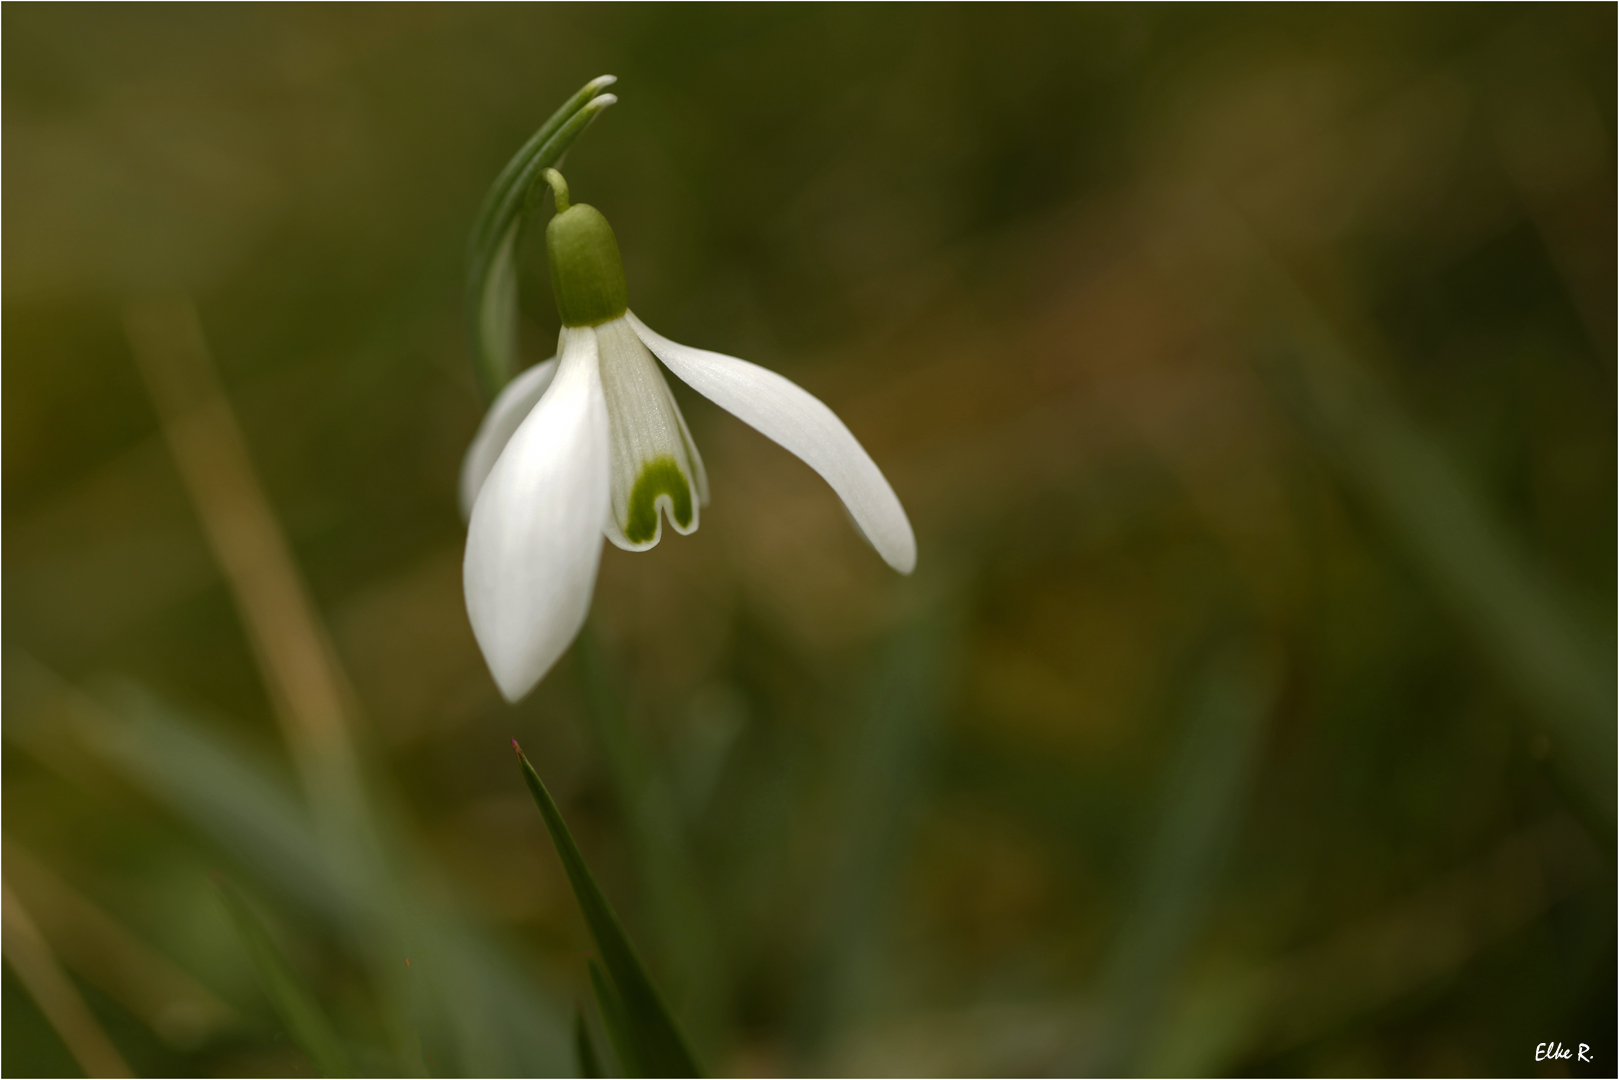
[(587, 274)]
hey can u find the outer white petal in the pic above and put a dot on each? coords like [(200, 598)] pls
[(798, 421), (535, 537), (508, 411)]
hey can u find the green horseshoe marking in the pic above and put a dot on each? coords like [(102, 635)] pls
[(660, 476)]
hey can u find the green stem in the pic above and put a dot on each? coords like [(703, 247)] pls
[(559, 189)]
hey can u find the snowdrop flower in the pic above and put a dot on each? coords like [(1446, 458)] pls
[(591, 442)]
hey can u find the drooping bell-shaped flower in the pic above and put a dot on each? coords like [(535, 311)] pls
[(591, 442)]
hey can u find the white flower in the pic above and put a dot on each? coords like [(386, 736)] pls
[(591, 442)]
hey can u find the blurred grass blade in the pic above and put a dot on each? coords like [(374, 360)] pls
[(502, 1023), (31, 961), (682, 938), (492, 252), (290, 644), (618, 1028), (882, 776), (657, 1040), (102, 950), (1200, 815), (589, 1063), (223, 789), (305, 1022), (1517, 617)]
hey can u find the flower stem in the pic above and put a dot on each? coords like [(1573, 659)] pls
[(559, 188)]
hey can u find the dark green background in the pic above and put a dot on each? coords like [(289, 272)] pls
[(1186, 748)]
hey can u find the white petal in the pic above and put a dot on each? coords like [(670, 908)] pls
[(535, 536), (656, 471), (509, 409), (800, 422)]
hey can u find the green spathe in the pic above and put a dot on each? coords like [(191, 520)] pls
[(492, 255), (587, 274), (660, 476)]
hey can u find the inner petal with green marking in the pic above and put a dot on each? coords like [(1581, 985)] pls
[(661, 476), (656, 472)]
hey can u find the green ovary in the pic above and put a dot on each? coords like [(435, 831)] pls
[(660, 476)]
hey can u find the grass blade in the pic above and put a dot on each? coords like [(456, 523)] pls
[(1200, 814), (1518, 618), (880, 779), (305, 1022), (658, 1044), (618, 1028), (493, 1018), (681, 937), (30, 959), (590, 1065)]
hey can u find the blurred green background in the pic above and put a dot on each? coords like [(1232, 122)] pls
[(1248, 375)]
